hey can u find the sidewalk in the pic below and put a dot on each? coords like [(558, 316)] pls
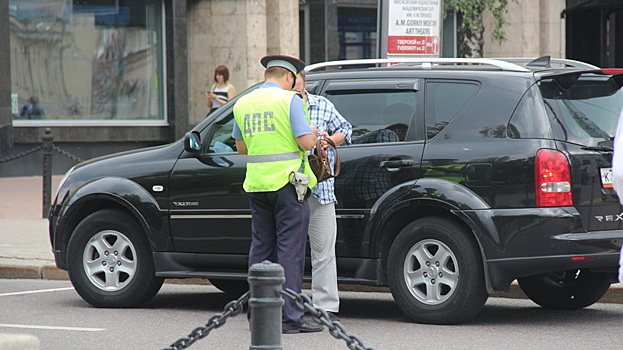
[(25, 250)]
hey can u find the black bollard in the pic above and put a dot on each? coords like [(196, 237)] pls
[(265, 305), (47, 171)]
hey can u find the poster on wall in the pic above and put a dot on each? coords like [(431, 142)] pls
[(414, 28)]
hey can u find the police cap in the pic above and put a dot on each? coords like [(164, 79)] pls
[(292, 64)]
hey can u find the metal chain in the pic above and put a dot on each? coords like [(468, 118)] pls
[(304, 303), (38, 148), (66, 154), (233, 308)]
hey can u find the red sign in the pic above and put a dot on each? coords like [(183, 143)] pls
[(419, 45)]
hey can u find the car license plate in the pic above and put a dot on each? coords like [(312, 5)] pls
[(606, 177)]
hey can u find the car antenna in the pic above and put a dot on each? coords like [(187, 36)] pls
[(543, 62)]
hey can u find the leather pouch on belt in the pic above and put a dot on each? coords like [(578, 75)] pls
[(300, 182)]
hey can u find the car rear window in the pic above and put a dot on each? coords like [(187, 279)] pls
[(584, 113)]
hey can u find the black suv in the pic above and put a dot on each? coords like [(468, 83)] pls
[(463, 176)]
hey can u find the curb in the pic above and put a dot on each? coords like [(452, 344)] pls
[(46, 272)]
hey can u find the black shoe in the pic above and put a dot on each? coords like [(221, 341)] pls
[(304, 328)]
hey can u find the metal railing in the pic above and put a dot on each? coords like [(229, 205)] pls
[(47, 147)]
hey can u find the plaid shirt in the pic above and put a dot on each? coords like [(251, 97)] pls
[(326, 118)]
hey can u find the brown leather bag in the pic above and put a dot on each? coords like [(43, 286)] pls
[(319, 161)]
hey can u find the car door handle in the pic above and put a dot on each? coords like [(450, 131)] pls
[(395, 165)]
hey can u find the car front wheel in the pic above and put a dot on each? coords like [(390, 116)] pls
[(566, 290), (436, 273), (110, 263)]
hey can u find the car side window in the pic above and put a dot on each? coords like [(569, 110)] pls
[(376, 117), (444, 101), (221, 141)]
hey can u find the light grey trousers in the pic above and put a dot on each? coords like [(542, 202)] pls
[(322, 235)]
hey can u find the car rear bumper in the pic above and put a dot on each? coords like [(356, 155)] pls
[(529, 241)]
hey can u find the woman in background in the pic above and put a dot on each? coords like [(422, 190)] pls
[(221, 91)]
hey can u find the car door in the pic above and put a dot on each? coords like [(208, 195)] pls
[(386, 151), (207, 201)]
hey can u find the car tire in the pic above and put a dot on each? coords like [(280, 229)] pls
[(110, 262), (436, 272), (233, 288), (566, 290)]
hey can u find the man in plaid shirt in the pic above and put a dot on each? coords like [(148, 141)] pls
[(322, 224)]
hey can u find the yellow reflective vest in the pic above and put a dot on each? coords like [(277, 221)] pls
[(263, 117)]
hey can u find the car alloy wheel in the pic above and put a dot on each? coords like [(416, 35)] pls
[(435, 272), (431, 272), (110, 260)]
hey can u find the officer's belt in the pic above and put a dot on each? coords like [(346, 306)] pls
[(262, 158)]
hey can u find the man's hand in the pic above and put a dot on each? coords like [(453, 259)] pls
[(337, 138)]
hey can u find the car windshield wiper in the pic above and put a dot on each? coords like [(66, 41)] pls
[(598, 148)]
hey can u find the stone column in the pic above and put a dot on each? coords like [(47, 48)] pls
[(533, 30), (236, 34), (553, 35), (282, 27), (6, 117)]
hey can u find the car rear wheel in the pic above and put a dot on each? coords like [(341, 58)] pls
[(436, 273), (566, 290), (110, 262)]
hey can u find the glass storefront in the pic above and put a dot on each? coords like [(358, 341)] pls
[(87, 62)]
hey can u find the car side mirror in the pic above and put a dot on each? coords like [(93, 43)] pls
[(192, 142)]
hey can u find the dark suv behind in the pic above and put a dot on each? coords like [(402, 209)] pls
[(463, 176)]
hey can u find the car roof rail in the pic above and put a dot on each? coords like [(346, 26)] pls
[(546, 61), (423, 62)]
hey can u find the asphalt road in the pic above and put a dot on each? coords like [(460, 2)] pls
[(53, 312)]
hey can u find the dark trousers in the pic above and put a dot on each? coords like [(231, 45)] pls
[(279, 231)]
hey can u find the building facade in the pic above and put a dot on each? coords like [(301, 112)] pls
[(112, 75)]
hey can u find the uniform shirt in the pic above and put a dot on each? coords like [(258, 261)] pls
[(326, 118), (298, 119)]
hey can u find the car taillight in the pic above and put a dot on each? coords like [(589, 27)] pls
[(612, 70), (552, 179)]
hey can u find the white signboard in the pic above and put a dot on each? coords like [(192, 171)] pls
[(413, 28)]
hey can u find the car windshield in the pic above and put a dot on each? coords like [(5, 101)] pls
[(587, 111)]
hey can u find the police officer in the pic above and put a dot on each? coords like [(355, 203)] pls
[(272, 127)]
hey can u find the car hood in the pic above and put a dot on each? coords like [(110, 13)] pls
[(130, 164)]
